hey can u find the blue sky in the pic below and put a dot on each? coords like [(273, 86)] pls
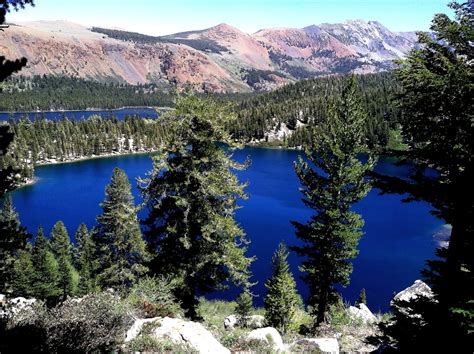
[(158, 17)]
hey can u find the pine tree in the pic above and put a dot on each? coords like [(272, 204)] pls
[(362, 297), (282, 300), (244, 307), (13, 238), (191, 198), (121, 248), (85, 261), (62, 249), (23, 273), (437, 104), (337, 182), (46, 270)]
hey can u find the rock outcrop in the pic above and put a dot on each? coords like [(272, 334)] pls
[(254, 322), (268, 335), (418, 289), (362, 312), (180, 332), (324, 345)]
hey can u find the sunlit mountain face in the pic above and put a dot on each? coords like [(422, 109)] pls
[(217, 59)]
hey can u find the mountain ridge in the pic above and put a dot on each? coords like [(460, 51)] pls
[(221, 58)]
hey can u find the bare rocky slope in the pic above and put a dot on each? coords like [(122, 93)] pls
[(218, 59)]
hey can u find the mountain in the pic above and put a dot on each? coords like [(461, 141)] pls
[(218, 59)]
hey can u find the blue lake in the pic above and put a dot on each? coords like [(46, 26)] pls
[(76, 115), (398, 240)]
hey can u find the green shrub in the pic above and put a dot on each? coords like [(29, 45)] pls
[(28, 323), (96, 322), (254, 345), (147, 343), (153, 297)]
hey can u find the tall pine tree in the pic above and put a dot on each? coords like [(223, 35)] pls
[(62, 249), (120, 245), (23, 273), (191, 196), (330, 188), (282, 300), (85, 260), (46, 270), (437, 103), (13, 238)]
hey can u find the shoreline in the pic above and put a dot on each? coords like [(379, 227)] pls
[(89, 109), (32, 181), (93, 157)]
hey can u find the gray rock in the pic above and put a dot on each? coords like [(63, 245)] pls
[(134, 331), (254, 322), (268, 335), (180, 332), (325, 345), (230, 322), (20, 303), (419, 288), (362, 312)]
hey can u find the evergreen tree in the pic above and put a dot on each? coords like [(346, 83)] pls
[(46, 270), (62, 249), (191, 196), (282, 300), (362, 297), (23, 273), (13, 238), (244, 307), (121, 248), (437, 81), (338, 180), (86, 262)]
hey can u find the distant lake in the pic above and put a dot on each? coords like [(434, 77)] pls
[(121, 113), (398, 240)]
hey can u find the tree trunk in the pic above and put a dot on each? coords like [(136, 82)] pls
[(188, 300), (322, 306)]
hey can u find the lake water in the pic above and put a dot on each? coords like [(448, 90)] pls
[(76, 115), (398, 240)]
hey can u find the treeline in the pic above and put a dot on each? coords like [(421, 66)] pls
[(62, 92), (308, 101), (198, 44), (41, 141)]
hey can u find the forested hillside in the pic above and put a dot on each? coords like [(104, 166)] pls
[(62, 92), (43, 141), (307, 102)]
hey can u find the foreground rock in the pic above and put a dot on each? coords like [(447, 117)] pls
[(418, 289), (325, 345), (11, 307), (254, 322), (180, 332), (362, 313), (268, 335)]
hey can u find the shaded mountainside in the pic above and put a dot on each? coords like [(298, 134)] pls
[(218, 59)]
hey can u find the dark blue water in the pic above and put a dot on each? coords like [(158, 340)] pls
[(76, 115), (397, 242)]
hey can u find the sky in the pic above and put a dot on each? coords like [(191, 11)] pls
[(159, 17)]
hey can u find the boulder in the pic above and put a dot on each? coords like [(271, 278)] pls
[(134, 331), (253, 322), (268, 335), (20, 303), (362, 312), (230, 322), (324, 345), (418, 289), (180, 332), (2, 299)]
